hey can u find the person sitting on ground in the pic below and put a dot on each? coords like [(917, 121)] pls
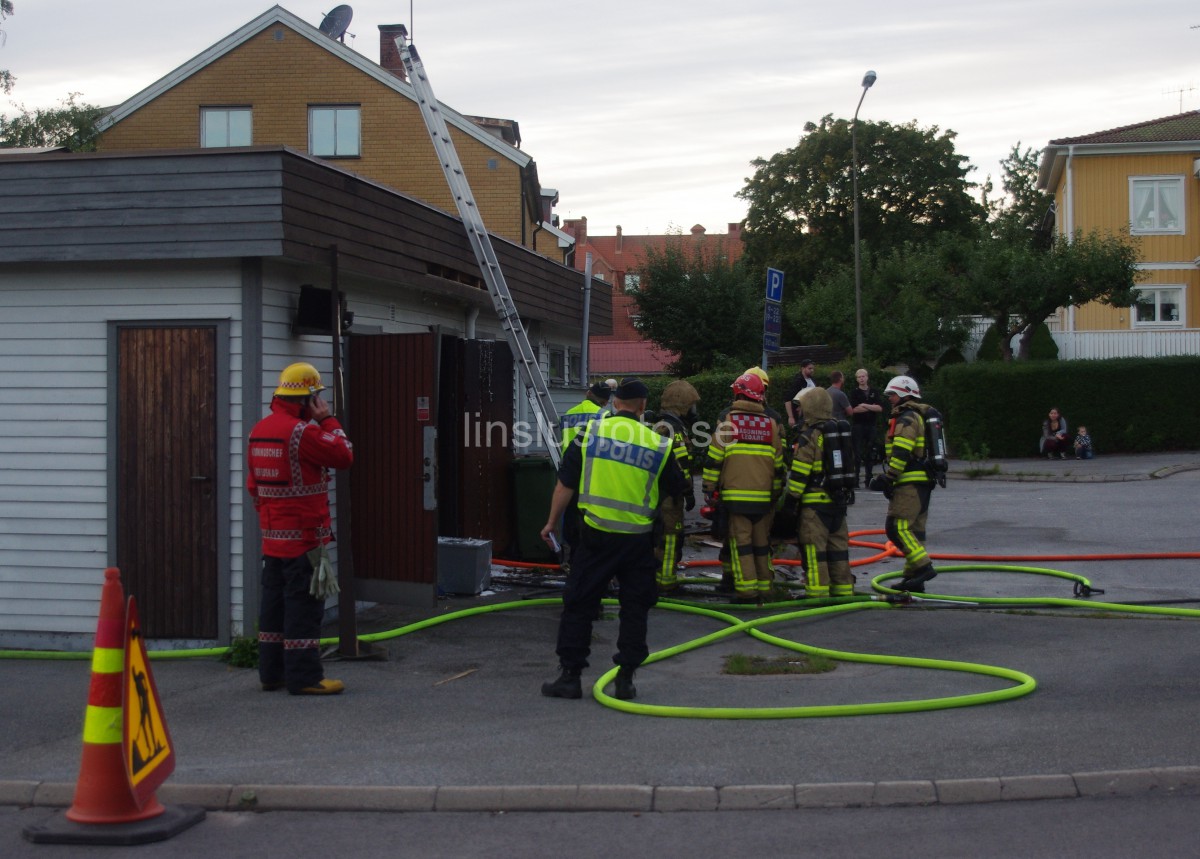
[(1054, 436), (1083, 443)]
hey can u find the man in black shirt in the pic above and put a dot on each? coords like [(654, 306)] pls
[(865, 407)]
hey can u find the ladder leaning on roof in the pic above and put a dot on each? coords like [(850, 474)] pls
[(535, 389)]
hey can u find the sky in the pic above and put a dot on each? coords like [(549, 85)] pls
[(648, 113)]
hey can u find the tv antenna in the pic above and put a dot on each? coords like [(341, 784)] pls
[(1180, 91), (335, 23)]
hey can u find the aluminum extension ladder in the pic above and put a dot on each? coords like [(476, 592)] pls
[(536, 390)]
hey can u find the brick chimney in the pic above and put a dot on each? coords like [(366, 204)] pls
[(620, 239), (389, 54), (735, 231)]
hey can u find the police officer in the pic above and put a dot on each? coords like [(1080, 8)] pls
[(745, 464), (823, 534), (677, 409), (620, 470), (906, 482), (290, 452), (574, 422)]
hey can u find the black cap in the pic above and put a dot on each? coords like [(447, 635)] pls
[(632, 388), (600, 391)]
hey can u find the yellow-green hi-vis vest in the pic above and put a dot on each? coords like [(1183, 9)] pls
[(618, 487), (576, 419)]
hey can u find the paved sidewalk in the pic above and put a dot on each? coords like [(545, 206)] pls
[(453, 720)]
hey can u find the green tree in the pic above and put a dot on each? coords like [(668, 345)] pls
[(912, 188), (6, 78), (1019, 285), (72, 124), (912, 305), (1023, 212), (700, 306)]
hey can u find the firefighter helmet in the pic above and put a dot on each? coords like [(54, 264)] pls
[(299, 380), (903, 386), (748, 387), (762, 374)]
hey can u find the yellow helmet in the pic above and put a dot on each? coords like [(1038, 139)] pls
[(761, 373), (299, 380)]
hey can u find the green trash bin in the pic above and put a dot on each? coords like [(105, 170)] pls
[(534, 478)]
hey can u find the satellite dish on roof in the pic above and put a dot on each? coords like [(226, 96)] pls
[(335, 23)]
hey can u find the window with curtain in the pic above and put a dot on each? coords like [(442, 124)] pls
[(333, 131), (225, 126), (1158, 305), (1156, 204)]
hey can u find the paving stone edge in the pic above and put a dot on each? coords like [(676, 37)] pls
[(641, 798)]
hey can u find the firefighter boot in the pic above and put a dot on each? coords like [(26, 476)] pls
[(566, 686), (916, 582), (625, 690)]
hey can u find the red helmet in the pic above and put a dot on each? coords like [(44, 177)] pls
[(748, 386)]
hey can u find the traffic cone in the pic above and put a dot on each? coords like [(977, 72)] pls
[(102, 794), (105, 809)]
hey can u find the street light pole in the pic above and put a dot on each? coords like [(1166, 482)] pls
[(868, 79)]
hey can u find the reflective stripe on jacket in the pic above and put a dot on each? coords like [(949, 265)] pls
[(576, 419), (904, 453), (287, 477), (618, 485), (745, 459)]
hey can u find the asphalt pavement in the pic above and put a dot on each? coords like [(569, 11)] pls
[(453, 718)]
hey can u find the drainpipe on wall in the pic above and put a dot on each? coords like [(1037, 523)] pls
[(587, 316), (1069, 193), (472, 315)]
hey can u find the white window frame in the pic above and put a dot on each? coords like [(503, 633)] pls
[(224, 124), (1159, 182), (347, 130), (1176, 293)]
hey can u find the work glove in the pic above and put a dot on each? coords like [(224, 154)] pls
[(324, 580), (689, 501), (881, 483)]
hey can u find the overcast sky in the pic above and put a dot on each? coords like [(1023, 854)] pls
[(647, 113)]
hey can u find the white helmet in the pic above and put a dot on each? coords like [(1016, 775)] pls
[(903, 386)]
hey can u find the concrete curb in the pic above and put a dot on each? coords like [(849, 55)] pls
[(1048, 477), (642, 798)]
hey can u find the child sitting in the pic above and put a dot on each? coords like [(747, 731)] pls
[(1083, 444)]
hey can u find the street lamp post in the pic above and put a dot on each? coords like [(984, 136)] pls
[(868, 79)]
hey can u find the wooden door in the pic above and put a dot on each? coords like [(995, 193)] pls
[(166, 477), (391, 412)]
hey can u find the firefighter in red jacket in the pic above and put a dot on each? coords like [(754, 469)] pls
[(745, 464), (287, 475)]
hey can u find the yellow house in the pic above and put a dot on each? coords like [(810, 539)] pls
[(281, 80), (1144, 180)]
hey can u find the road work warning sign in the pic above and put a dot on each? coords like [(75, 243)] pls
[(149, 757)]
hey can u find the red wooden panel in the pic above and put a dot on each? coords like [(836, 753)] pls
[(393, 538)]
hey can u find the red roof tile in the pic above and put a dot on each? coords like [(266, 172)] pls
[(1167, 129), (625, 357)]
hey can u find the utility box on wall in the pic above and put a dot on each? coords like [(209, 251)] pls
[(464, 565)]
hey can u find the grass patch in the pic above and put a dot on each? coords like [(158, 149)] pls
[(793, 663), (242, 653), (972, 473)]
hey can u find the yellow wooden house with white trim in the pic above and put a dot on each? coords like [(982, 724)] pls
[(1144, 180)]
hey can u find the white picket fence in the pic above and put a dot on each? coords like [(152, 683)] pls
[(1080, 345)]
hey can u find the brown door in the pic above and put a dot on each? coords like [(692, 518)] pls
[(391, 414), (166, 477)]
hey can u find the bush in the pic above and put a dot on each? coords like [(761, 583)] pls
[(1042, 346), (1002, 405)]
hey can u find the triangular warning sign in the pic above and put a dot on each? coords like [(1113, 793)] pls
[(149, 755)]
